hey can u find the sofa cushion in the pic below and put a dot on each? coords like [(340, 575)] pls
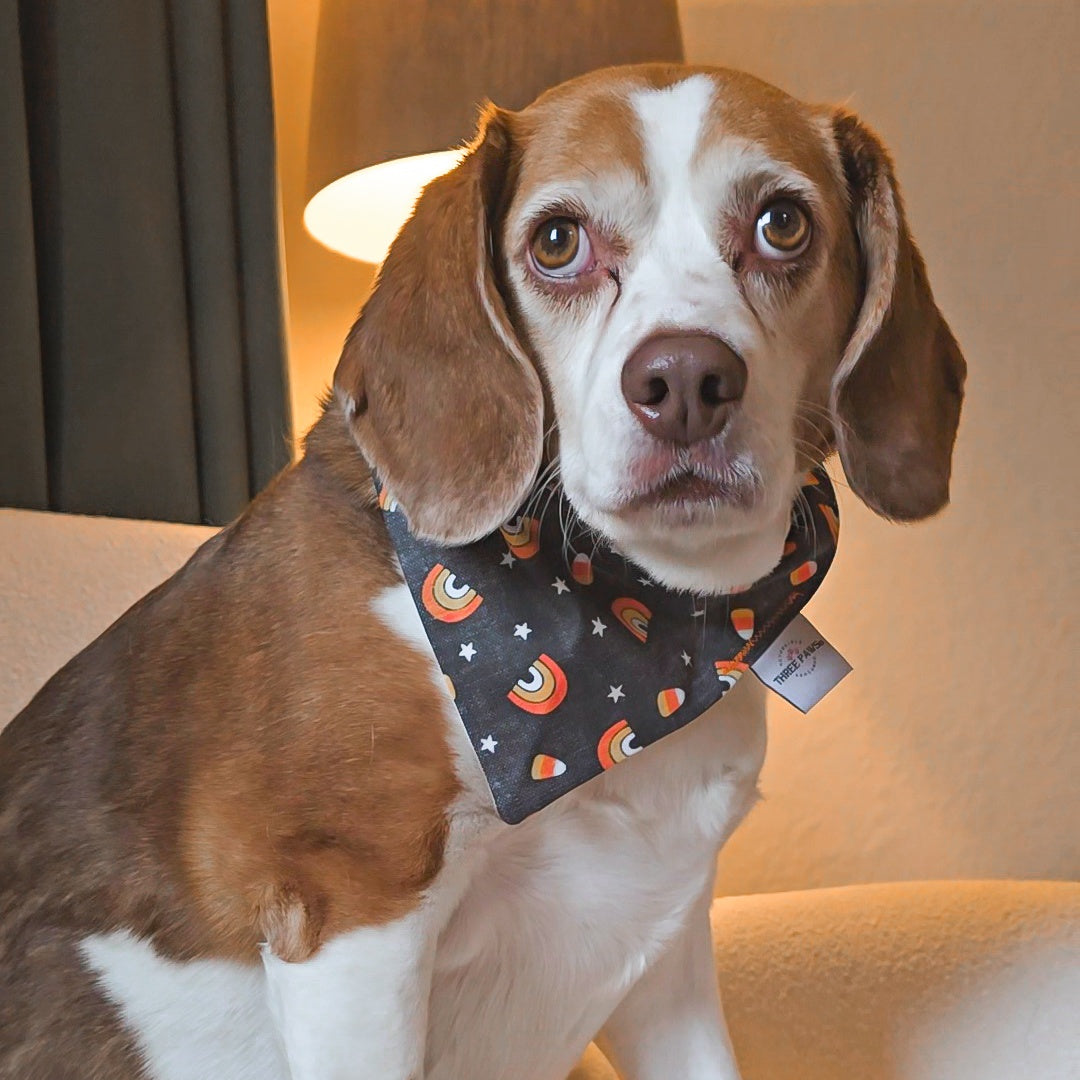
[(912, 981)]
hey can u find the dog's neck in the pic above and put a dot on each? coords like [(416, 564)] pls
[(332, 457)]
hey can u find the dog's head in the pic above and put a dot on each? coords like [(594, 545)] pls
[(683, 285)]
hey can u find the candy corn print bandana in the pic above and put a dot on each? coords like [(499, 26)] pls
[(564, 658)]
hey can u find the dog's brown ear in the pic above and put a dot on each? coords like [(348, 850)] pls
[(897, 391), (441, 397)]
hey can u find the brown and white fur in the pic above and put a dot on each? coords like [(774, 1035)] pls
[(243, 835)]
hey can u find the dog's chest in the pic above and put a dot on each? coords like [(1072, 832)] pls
[(563, 912)]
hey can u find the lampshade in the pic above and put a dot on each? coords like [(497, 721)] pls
[(398, 84)]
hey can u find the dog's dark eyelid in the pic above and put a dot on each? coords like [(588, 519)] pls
[(613, 273)]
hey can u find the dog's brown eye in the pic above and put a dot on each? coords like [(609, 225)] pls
[(560, 247), (782, 231)]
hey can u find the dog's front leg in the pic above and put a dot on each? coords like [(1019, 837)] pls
[(357, 1008), (671, 1023)]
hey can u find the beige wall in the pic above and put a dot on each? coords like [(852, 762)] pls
[(954, 749)]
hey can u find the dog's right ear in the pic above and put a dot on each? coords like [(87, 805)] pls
[(439, 394)]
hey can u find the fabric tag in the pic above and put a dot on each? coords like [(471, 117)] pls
[(800, 665)]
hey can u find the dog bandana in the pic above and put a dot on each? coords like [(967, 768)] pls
[(564, 658)]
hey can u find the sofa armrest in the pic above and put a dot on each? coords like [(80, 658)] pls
[(64, 578)]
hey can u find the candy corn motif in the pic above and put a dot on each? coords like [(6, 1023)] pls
[(542, 690), (742, 621), (616, 744), (633, 614), (523, 536), (804, 572), (810, 479), (450, 688), (667, 701), (829, 514), (789, 548), (387, 501), (729, 672), (544, 767), (447, 599), (581, 569)]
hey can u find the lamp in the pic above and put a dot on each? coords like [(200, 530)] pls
[(398, 84)]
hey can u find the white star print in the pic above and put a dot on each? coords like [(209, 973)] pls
[(488, 743), (598, 627), (698, 613), (686, 658), (467, 651), (644, 581), (560, 586), (616, 693), (522, 630), (508, 559)]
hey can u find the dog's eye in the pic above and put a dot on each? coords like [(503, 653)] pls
[(560, 248), (782, 230)]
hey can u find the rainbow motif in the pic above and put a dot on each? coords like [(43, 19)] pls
[(447, 599), (542, 690), (581, 569), (616, 744), (729, 672), (667, 701), (742, 621), (804, 572), (523, 536), (633, 614), (829, 515), (544, 767)]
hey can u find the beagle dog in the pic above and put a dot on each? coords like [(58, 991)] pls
[(243, 834)]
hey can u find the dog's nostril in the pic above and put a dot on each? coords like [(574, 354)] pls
[(657, 391), (712, 390)]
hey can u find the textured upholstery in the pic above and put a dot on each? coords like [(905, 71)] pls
[(939, 980)]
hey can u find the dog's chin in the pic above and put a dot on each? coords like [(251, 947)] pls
[(697, 545)]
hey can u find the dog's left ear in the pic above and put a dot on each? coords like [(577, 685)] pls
[(437, 390), (897, 391)]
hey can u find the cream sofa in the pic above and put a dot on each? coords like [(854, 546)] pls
[(915, 981)]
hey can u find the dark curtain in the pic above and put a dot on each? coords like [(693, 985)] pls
[(142, 358)]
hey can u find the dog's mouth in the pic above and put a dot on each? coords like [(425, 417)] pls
[(682, 489), (693, 487)]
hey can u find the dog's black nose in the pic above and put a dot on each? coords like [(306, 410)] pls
[(682, 387)]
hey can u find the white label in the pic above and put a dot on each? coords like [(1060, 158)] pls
[(800, 665)]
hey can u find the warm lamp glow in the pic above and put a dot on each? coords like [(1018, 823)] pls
[(359, 215)]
